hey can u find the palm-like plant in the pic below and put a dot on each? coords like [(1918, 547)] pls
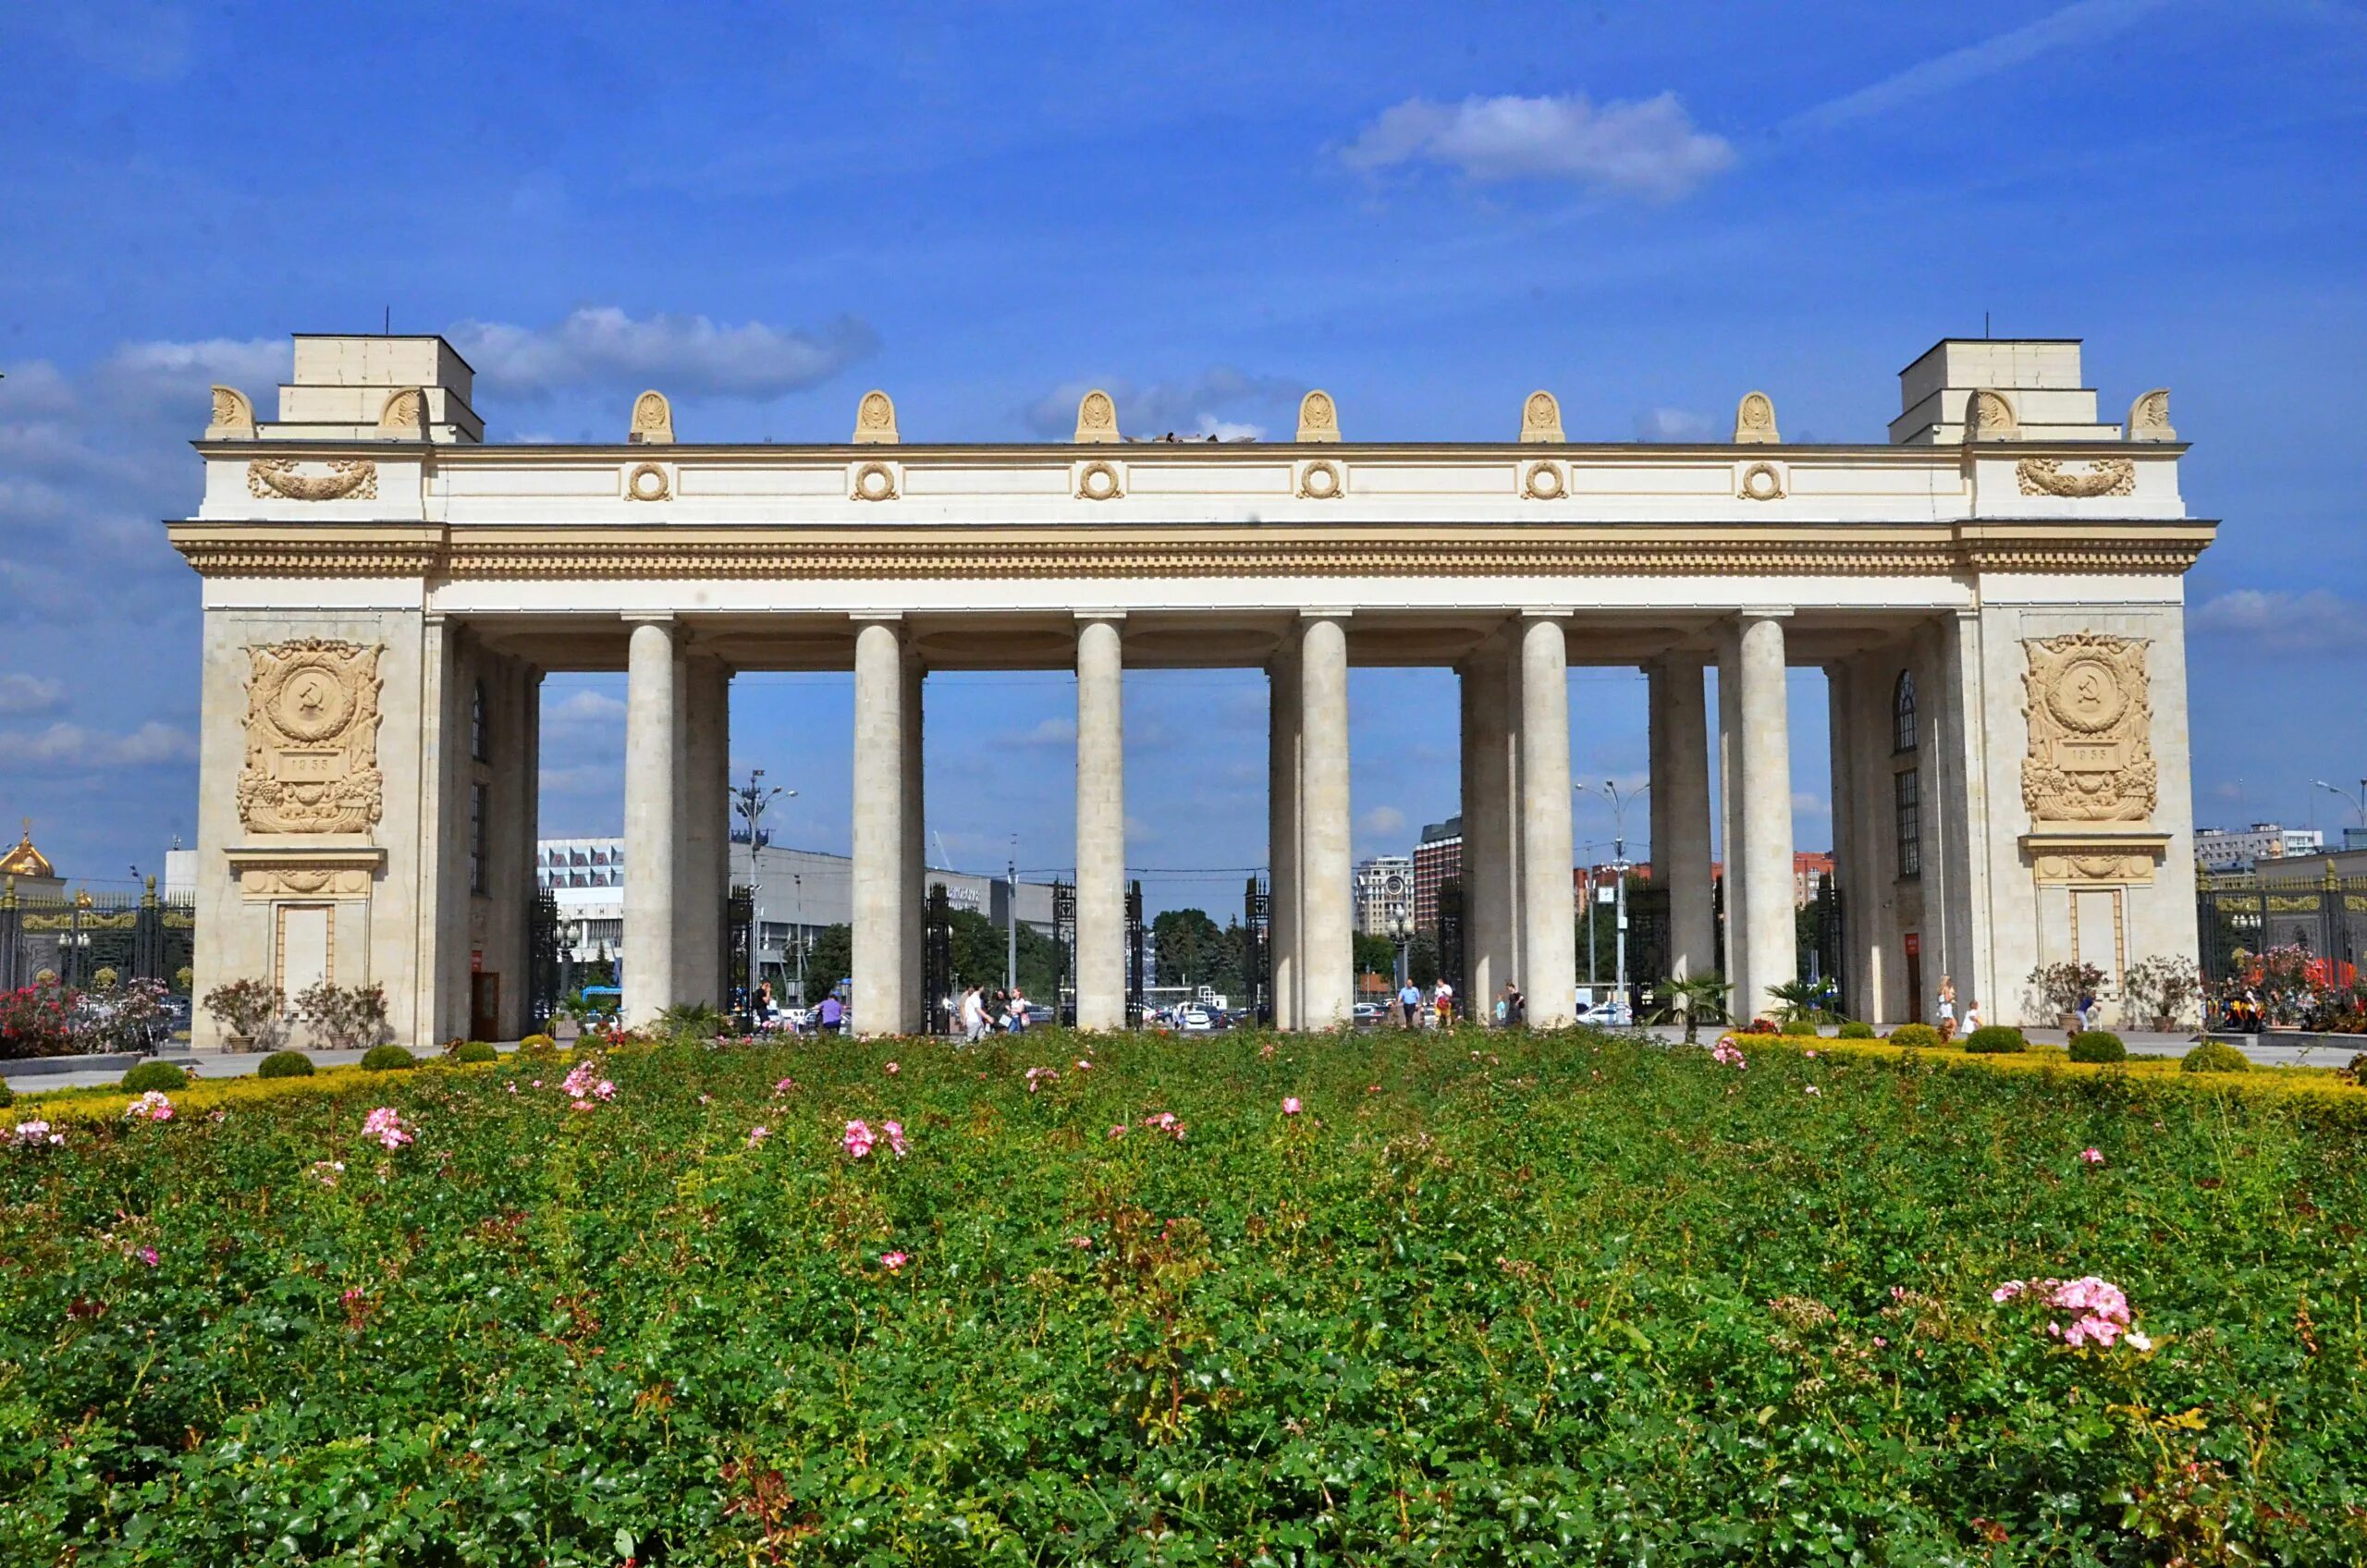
[(1798, 999), (1692, 999)]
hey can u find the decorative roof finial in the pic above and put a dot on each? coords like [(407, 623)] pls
[(1096, 417), (1318, 419), (1541, 417), (875, 420), (1755, 420), (653, 421)]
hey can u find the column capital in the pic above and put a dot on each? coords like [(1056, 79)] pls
[(1113, 617), (1547, 612), (648, 618), (886, 617), (1306, 614), (1764, 612)]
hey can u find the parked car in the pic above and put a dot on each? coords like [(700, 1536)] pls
[(1195, 1021), (1366, 1014)]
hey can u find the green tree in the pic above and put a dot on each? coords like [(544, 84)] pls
[(1189, 946), (1422, 960), (1374, 954), (827, 962)]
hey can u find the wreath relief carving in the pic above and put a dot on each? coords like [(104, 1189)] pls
[(312, 739), (354, 479), (2090, 754)]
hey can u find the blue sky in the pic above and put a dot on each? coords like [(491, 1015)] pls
[(1428, 210)]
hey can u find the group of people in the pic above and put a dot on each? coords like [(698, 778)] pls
[(979, 1012), (1944, 1011), (1407, 1009), (827, 1017)]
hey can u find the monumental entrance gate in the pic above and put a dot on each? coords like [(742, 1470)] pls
[(1994, 595)]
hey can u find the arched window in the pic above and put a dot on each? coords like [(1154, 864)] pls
[(1902, 713), (476, 723)]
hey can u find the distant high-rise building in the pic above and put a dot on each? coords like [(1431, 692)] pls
[(1384, 889), (2218, 849), (1438, 860)]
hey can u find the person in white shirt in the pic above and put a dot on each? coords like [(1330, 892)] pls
[(974, 1015)]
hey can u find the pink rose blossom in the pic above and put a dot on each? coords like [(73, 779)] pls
[(146, 1255), (858, 1140), (1290, 1105), (36, 1134), (1118, 1131), (1726, 1054), (785, 1085), (2091, 1156), (2098, 1309), (706, 1099), (1082, 1243), (1083, 1065), (605, 1089), (893, 1261), (893, 1069), (757, 1135), (386, 1124), (896, 1143), (154, 1105), (1814, 1090)]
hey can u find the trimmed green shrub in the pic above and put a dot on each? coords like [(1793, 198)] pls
[(1857, 1029), (1995, 1039), (538, 1042), (2098, 1045), (387, 1058), (150, 1076), (7, 1094), (285, 1064), (475, 1050), (1921, 1035), (2216, 1055), (1799, 1027)]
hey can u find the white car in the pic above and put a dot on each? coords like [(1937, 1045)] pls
[(1607, 1015), (1194, 1021)]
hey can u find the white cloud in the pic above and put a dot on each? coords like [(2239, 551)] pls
[(70, 746), (1197, 404), (2284, 623), (1052, 733), (1382, 821), (1672, 424), (1645, 147), (2063, 33), (585, 706), (154, 377), (600, 346), (30, 694)]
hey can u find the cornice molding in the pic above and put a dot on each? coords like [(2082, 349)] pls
[(969, 553)]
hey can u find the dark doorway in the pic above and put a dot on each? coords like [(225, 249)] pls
[(484, 1006)]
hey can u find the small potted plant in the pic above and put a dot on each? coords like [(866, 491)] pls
[(2064, 986), (2163, 988), (248, 1010)]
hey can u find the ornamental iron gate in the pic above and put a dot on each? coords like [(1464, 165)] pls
[(740, 951), (2243, 914), (542, 977), (1064, 939), (1452, 965), (138, 935), (1256, 948), (1134, 955), (937, 961)]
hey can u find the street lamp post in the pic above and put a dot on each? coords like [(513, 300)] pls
[(1619, 804), (750, 800), (2358, 803), (1400, 931)]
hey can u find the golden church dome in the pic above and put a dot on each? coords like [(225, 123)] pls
[(24, 860)]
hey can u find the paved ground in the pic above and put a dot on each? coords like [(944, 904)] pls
[(236, 1064)]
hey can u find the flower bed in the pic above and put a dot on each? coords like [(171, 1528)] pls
[(1452, 1298)]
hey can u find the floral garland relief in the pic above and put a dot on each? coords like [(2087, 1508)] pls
[(351, 480)]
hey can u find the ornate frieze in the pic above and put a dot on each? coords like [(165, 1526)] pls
[(2048, 476), (312, 764), (2091, 756), (352, 479)]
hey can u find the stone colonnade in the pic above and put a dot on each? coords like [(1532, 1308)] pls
[(1516, 787)]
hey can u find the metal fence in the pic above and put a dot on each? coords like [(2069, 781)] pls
[(2244, 913), (65, 939)]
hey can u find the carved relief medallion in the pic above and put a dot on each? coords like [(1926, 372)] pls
[(1096, 417), (2047, 476), (1099, 481), (874, 419), (233, 414), (2090, 756), (1541, 417), (1755, 420), (404, 413), (1318, 419), (2148, 417), (353, 480), (653, 421), (1988, 416), (312, 739)]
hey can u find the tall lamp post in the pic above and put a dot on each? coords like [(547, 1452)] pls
[(750, 800), (1400, 931), (1619, 804), (2358, 803)]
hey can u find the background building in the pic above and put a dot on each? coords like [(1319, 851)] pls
[(1438, 860), (1384, 889), (799, 895), (1808, 866), (2218, 850)]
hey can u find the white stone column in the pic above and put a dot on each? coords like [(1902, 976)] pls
[(881, 901), (1736, 941), (653, 768), (1682, 788), (1490, 952), (1842, 746), (1282, 830), (1774, 940), (1100, 826), (1959, 806), (913, 1007), (1548, 891), (1327, 925)]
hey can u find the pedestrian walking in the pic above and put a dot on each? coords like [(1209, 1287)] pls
[(1947, 1009), (1410, 998), (1442, 1003)]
